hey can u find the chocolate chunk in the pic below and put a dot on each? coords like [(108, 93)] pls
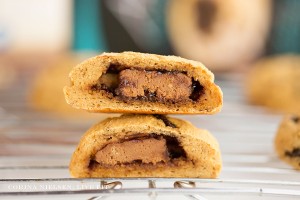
[(174, 148), (92, 163), (115, 69), (206, 11), (294, 153), (197, 90), (165, 120), (150, 96), (295, 119)]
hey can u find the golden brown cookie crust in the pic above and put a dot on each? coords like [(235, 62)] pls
[(287, 140), (203, 159), (87, 74), (222, 34)]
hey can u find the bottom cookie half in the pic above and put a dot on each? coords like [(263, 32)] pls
[(146, 146)]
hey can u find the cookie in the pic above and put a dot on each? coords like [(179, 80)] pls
[(287, 141), (146, 146), (222, 34), (131, 82), (8, 75), (46, 92), (274, 82)]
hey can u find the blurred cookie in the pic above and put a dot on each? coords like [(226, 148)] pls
[(221, 34), (274, 82), (132, 82), (46, 93), (146, 146), (287, 141), (7, 75)]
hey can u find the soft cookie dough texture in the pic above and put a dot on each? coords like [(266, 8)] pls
[(274, 82), (178, 149), (287, 141), (131, 82)]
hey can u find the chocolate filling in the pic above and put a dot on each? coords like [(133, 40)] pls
[(197, 90), (145, 150), (206, 11), (294, 153), (146, 85), (295, 119), (165, 120), (150, 150)]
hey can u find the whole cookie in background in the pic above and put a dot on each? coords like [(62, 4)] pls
[(274, 82), (221, 34), (7, 75), (46, 92), (287, 141)]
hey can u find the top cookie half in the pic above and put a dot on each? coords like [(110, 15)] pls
[(131, 82)]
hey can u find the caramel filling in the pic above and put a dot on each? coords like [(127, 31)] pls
[(143, 150), (154, 86), (147, 151), (294, 153)]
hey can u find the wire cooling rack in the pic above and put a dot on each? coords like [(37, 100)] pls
[(35, 149)]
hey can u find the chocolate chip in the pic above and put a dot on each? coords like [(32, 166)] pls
[(104, 87), (150, 96), (93, 163), (165, 120), (294, 153), (138, 161), (174, 148), (114, 69), (96, 87), (295, 119), (197, 90), (206, 11)]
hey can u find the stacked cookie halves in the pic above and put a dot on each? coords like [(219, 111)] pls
[(144, 142)]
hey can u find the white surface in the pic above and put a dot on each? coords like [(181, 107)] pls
[(35, 25)]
